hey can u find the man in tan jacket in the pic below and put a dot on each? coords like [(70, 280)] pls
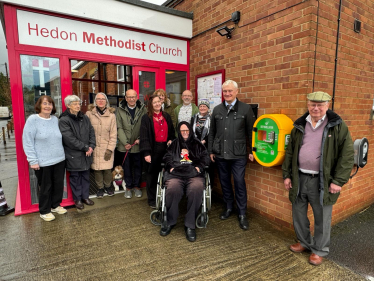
[(129, 116)]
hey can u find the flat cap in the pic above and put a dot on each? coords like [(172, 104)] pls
[(319, 96)]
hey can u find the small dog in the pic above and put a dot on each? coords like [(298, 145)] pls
[(118, 178)]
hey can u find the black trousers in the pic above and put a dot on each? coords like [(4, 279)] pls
[(133, 170), (51, 182), (236, 167), (175, 187), (80, 184), (153, 169)]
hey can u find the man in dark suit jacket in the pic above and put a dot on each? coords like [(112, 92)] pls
[(231, 124)]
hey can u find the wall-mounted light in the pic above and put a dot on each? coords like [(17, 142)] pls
[(225, 31)]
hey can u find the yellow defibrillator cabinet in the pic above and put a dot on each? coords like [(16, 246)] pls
[(270, 136)]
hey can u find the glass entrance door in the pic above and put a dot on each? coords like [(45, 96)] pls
[(40, 77), (145, 82)]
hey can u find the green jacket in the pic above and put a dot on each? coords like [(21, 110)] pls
[(336, 157), (128, 129), (170, 110), (195, 110)]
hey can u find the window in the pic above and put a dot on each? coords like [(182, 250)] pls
[(40, 76), (176, 83), (90, 78)]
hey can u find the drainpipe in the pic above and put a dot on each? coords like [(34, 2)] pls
[(104, 74), (336, 56)]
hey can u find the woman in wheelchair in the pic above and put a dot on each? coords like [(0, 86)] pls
[(185, 160)]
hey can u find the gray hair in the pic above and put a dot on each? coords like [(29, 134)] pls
[(107, 105), (232, 82), (71, 98)]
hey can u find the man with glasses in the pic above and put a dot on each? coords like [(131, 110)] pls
[(129, 116), (186, 110), (318, 162)]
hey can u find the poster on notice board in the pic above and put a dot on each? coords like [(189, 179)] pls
[(209, 87)]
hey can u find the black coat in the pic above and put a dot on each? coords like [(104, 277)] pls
[(229, 131), (184, 167), (77, 136), (147, 133)]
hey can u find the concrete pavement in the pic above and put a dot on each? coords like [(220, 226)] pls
[(116, 241)]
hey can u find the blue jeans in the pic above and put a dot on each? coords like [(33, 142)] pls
[(236, 167)]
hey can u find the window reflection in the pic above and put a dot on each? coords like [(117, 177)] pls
[(176, 83), (90, 78), (40, 76)]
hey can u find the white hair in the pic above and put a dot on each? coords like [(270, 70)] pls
[(107, 105), (71, 98), (232, 82)]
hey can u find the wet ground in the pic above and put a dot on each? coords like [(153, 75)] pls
[(116, 241)]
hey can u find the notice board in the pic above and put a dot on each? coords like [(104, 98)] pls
[(209, 87)]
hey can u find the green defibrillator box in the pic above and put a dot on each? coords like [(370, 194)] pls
[(270, 136)]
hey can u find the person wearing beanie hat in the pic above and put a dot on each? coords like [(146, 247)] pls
[(201, 122), (204, 102), (318, 162)]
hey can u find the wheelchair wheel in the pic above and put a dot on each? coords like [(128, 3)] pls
[(208, 194), (156, 217), (158, 191), (202, 220)]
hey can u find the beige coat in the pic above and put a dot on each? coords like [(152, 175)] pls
[(105, 127)]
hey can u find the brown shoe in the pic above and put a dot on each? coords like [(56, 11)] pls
[(79, 205), (315, 259), (297, 248), (88, 201)]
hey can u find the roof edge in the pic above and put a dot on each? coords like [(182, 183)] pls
[(159, 8)]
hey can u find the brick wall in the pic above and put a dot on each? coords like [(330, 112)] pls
[(272, 57)]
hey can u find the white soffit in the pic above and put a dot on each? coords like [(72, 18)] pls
[(115, 12)]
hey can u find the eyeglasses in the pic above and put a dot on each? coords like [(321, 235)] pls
[(76, 103), (132, 97), (318, 105), (185, 131), (101, 99)]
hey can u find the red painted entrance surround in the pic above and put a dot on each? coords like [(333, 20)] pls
[(23, 204)]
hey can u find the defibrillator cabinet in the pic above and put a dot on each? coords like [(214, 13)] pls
[(270, 137)]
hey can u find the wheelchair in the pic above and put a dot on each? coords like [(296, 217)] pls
[(159, 216)]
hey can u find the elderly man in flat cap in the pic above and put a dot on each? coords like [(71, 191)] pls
[(318, 163)]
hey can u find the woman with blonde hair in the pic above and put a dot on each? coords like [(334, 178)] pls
[(103, 120), (166, 104)]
